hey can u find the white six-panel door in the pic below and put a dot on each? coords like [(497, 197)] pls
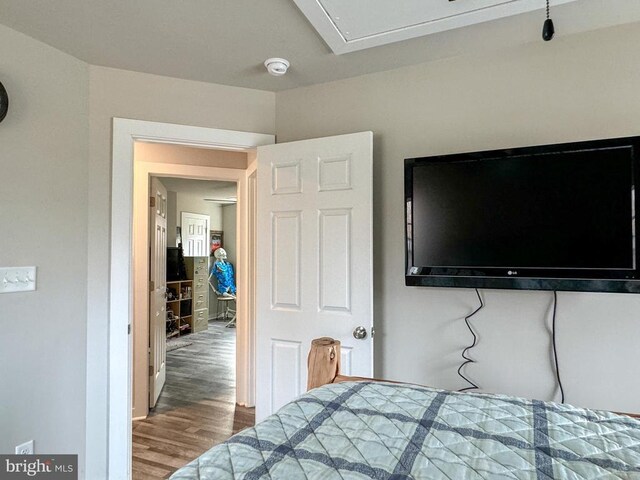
[(314, 260), (157, 296), (195, 234)]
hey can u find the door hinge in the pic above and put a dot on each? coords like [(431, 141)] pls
[(152, 201), (151, 370), (152, 286), (129, 329)]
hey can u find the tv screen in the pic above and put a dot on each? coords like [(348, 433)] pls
[(175, 265), (557, 213)]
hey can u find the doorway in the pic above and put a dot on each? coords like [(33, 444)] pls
[(115, 385), (163, 161), (192, 352)]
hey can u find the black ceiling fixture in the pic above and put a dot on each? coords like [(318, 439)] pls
[(547, 29), (4, 102)]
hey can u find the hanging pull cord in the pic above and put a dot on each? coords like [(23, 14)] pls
[(548, 30)]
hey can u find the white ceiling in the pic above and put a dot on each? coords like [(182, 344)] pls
[(360, 24), (224, 192), (227, 41)]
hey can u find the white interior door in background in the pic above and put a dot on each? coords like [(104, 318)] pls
[(195, 234), (314, 260), (158, 289)]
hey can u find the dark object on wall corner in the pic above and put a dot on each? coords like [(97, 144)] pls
[(550, 217), (4, 102)]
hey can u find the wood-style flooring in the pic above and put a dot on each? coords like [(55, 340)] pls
[(196, 409)]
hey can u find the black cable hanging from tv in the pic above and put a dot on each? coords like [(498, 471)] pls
[(548, 30), (468, 360), (555, 349)]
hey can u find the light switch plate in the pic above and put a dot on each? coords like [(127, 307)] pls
[(17, 279)]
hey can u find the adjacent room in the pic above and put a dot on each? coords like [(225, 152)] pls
[(184, 342), (320, 239)]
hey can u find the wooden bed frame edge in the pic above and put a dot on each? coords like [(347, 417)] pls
[(324, 367)]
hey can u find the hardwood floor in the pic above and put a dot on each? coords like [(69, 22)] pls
[(196, 409)]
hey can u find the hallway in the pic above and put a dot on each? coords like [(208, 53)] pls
[(196, 409)]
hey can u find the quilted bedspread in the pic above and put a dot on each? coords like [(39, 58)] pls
[(362, 430)]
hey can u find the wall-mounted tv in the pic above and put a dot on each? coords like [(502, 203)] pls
[(552, 217)]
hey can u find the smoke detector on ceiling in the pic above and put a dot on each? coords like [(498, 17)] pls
[(276, 66)]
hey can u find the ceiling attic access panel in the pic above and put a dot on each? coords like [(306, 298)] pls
[(361, 24)]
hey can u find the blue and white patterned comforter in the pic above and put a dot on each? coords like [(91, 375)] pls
[(363, 430)]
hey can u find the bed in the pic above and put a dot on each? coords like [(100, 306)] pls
[(380, 430)]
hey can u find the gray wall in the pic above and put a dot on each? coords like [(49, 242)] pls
[(172, 218), (44, 150), (576, 88), (229, 214), (55, 158)]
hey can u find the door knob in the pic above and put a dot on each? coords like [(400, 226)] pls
[(360, 333)]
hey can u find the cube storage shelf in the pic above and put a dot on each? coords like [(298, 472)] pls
[(179, 307)]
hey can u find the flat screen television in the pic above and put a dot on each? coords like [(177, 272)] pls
[(552, 217), (176, 269)]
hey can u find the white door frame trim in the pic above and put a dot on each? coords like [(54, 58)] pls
[(125, 133)]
